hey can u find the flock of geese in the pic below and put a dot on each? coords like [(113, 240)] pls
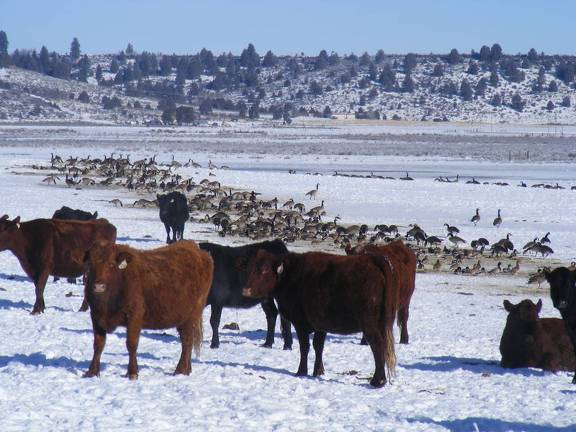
[(246, 214)]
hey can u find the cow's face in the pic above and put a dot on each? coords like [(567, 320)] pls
[(525, 311), (562, 287), (104, 263), (8, 228), (263, 273)]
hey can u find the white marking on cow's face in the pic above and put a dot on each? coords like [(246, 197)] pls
[(99, 288), (123, 264), (280, 269), (172, 201), (18, 225)]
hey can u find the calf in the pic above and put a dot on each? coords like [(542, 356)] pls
[(322, 293), (403, 261), (52, 247), (154, 289), (229, 279), (563, 292), (530, 341), (173, 213), (66, 213)]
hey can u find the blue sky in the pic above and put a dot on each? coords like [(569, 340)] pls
[(293, 26)]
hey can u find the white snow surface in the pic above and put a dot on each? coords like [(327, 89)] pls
[(448, 377)]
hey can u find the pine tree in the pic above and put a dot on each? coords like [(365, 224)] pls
[(473, 68), (532, 55), (83, 68), (494, 79), (408, 84), (438, 70), (409, 62), (165, 65), (495, 52), (566, 102), (481, 87), (83, 97), (322, 60), (98, 73), (372, 71), (249, 57), (364, 59), (130, 50), (75, 50), (454, 57), (3, 42), (517, 102), (327, 113), (269, 60), (484, 53), (496, 100), (315, 88), (465, 90), (114, 67), (550, 106), (254, 111), (387, 78), (334, 59), (44, 60), (553, 86), (379, 57)]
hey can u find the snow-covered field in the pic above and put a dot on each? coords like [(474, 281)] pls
[(448, 377)]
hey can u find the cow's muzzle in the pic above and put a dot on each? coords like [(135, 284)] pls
[(99, 288), (247, 292), (563, 304)]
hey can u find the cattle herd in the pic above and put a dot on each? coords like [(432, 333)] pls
[(365, 291)]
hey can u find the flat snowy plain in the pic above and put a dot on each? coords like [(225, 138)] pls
[(448, 377)]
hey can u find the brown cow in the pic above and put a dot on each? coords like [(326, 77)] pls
[(322, 293), (403, 261), (154, 289), (47, 247), (530, 341)]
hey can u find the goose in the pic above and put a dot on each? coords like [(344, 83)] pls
[(545, 239), (437, 265), (407, 177), (288, 204), (476, 218), (455, 239), (312, 194), (528, 246), (496, 269), (522, 184), (498, 220), (516, 268), (539, 276), (473, 181), (116, 202), (51, 179), (451, 229), (432, 240)]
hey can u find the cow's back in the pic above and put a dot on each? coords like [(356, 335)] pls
[(556, 331)]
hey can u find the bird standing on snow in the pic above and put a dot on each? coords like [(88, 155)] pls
[(476, 218), (313, 192), (498, 220)]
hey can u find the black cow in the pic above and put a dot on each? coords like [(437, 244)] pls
[(563, 292), (66, 213), (230, 274), (173, 213)]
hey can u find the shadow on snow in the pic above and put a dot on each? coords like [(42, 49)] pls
[(488, 424)]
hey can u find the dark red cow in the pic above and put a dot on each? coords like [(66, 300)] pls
[(47, 247), (154, 289), (322, 293), (531, 341), (563, 292), (403, 261)]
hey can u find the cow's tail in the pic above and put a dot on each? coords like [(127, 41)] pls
[(390, 302), (197, 335)]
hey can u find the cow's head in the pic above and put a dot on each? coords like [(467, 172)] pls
[(104, 262), (562, 287), (525, 311), (264, 270), (8, 229)]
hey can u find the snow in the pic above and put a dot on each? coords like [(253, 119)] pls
[(448, 377)]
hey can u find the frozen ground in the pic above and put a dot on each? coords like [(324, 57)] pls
[(448, 376)]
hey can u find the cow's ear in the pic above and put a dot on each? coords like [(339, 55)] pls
[(241, 263), (5, 217), (546, 274), (123, 259), (17, 222), (539, 306), (95, 215), (280, 269), (508, 306)]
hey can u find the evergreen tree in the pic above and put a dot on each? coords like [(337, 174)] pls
[(454, 57), (194, 69), (465, 90), (254, 111), (495, 52), (550, 106), (494, 79), (75, 50), (553, 86), (315, 88), (379, 57), (364, 59), (242, 109), (408, 84), (136, 72), (269, 60), (44, 60), (322, 61), (387, 78), (334, 59), (473, 68), (438, 70), (566, 102), (168, 116), (165, 66), (517, 102), (98, 73), (249, 57), (409, 62), (83, 68), (481, 87), (83, 97), (327, 113), (185, 115), (532, 55), (372, 71), (3, 42), (496, 100), (114, 67), (130, 50), (485, 53)]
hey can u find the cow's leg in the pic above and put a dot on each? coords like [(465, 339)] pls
[(572, 335), (215, 315), (286, 332), (318, 344), (186, 332), (132, 337), (376, 342), (84, 306), (39, 285), (304, 340), (167, 227), (174, 237), (363, 341), (403, 314), (271, 314), (99, 342)]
